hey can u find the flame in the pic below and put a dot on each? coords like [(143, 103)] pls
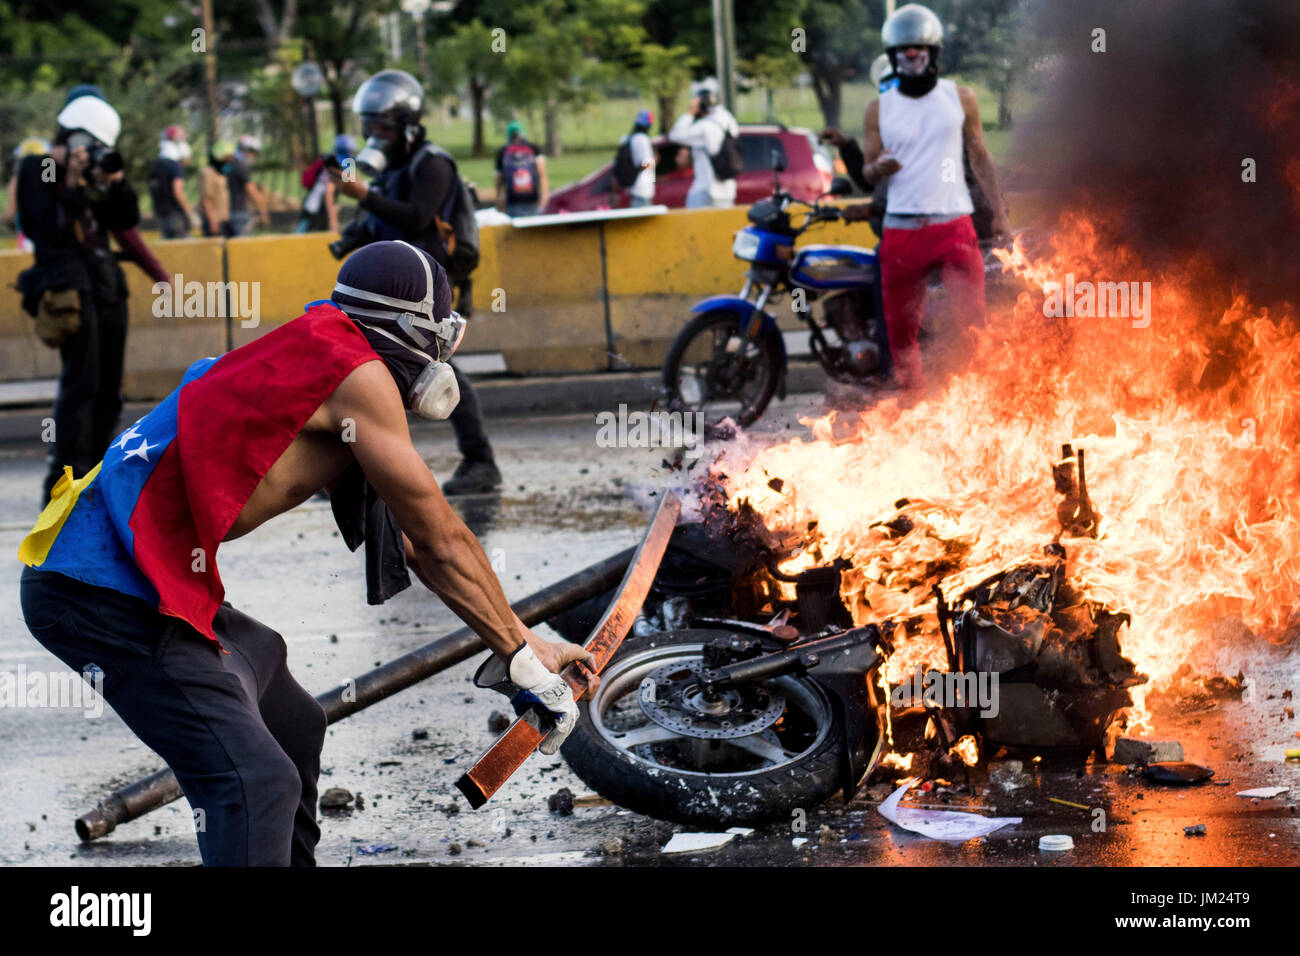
[(966, 750), (1190, 426)]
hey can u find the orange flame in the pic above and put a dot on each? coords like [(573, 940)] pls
[(1190, 425)]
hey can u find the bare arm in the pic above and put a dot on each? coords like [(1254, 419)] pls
[(331, 206), (981, 163), (178, 191), (877, 162), (544, 188), (444, 553)]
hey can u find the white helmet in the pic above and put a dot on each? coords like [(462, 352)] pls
[(93, 115), (707, 87)]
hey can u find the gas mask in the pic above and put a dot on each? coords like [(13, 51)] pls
[(372, 159), (433, 393), (385, 145)]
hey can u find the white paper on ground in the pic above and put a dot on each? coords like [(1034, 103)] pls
[(741, 831), (693, 842), (939, 824), (1263, 792)]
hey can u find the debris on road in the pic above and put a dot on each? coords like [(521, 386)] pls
[(420, 733), (613, 846), (561, 802), (694, 842), (335, 798), (1068, 803), (591, 800), (1263, 793), (1177, 774), (1008, 774), (1197, 830), (376, 848), (1056, 842), (939, 824), (498, 722), (1142, 750)]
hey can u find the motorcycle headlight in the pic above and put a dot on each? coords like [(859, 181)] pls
[(746, 246)]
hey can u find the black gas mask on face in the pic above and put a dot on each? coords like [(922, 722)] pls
[(917, 74)]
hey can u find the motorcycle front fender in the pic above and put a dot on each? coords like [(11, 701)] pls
[(748, 316)]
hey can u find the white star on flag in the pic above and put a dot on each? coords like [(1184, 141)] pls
[(127, 436), (141, 450)]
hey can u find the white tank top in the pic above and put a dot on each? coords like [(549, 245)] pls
[(924, 133)]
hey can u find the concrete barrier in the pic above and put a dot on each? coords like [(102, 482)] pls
[(550, 300)]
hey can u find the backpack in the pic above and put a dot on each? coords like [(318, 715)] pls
[(625, 170), (519, 170), (312, 173), (727, 161), (455, 220)]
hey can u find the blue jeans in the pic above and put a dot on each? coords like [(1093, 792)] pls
[(243, 738)]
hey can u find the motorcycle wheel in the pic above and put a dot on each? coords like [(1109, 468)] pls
[(637, 763), (710, 365)]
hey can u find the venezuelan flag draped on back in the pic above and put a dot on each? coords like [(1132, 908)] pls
[(148, 518)]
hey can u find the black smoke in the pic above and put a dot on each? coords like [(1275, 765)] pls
[(1151, 135)]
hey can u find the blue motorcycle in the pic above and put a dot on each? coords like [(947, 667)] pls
[(733, 354)]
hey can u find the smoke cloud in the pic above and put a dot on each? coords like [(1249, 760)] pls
[(1176, 124)]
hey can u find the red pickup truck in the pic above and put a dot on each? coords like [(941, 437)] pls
[(808, 172)]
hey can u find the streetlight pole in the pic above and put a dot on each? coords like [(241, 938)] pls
[(724, 50)]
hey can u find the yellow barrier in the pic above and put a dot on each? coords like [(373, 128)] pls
[(567, 298)]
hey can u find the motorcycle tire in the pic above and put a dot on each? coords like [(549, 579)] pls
[(640, 781), (770, 354)]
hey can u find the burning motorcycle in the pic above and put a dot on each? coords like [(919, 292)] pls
[(732, 350)]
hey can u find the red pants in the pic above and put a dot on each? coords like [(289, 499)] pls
[(906, 258)]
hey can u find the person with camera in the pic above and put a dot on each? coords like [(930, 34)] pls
[(417, 196), (70, 201), (711, 132)]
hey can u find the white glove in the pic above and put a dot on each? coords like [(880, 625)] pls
[(532, 688)]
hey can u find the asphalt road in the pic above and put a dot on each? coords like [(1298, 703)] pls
[(566, 503)]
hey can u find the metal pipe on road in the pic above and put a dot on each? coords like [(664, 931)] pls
[(137, 799)]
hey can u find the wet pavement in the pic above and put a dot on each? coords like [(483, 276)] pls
[(567, 503)]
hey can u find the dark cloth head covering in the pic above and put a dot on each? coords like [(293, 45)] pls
[(393, 271)]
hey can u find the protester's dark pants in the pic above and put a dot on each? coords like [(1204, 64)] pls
[(467, 420), (242, 736), (89, 400), (174, 225)]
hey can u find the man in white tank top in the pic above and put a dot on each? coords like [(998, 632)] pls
[(915, 134)]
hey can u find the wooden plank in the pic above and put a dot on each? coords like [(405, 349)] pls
[(508, 754)]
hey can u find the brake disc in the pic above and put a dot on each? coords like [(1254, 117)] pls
[(672, 697)]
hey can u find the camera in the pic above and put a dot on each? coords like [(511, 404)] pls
[(351, 237), (106, 160)]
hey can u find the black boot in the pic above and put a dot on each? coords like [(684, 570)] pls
[(473, 476)]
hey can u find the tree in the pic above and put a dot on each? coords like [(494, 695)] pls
[(664, 73), (471, 54), (771, 72), (339, 39), (563, 51), (841, 39)]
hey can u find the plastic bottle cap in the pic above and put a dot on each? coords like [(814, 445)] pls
[(1056, 841)]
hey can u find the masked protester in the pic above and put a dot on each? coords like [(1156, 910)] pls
[(122, 565), (417, 196), (70, 202), (915, 134)]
